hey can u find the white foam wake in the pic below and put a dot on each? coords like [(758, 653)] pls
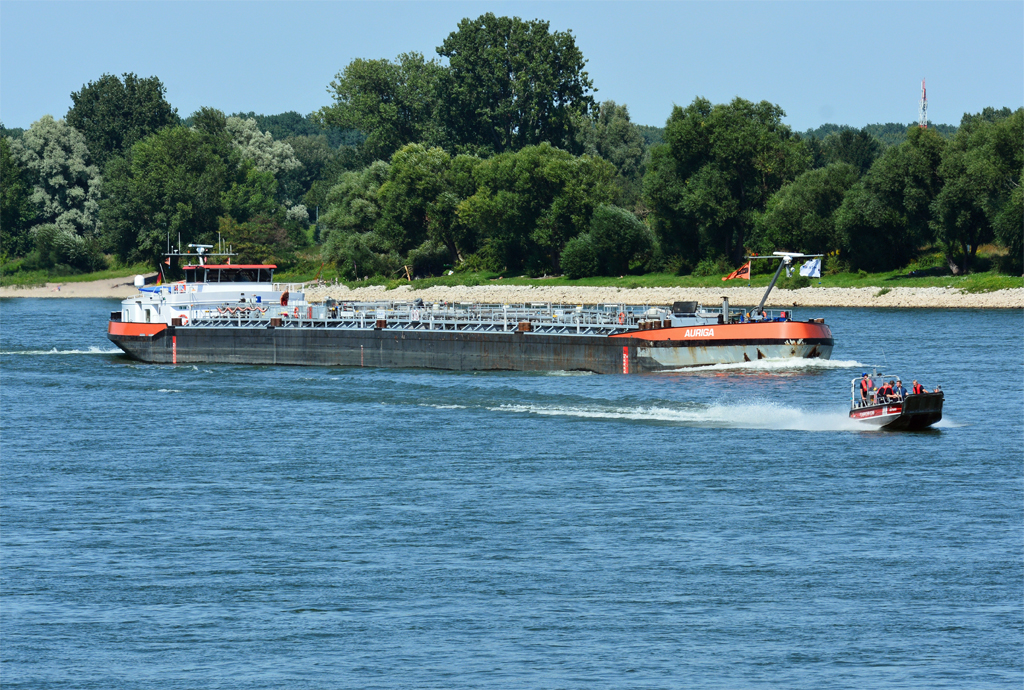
[(745, 416), (781, 365), (91, 351)]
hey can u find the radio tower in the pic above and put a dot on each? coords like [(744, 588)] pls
[(922, 120)]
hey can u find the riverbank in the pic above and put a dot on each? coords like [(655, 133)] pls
[(920, 297), (738, 296), (109, 288)]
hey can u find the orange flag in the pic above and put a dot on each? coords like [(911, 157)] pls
[(741, 272)]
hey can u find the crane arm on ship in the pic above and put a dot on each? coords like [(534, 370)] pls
[(785, 261)]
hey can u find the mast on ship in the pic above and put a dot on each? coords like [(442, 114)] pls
[(786, 261), (201, 253)]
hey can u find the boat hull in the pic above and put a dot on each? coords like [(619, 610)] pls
[(913, 413), (453, 350)]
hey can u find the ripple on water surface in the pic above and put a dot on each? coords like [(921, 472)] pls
[(264, 527)]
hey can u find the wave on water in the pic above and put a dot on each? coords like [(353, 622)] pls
[(764, 415), (443, 407), (91, 351), (168, 390), (774, 365)]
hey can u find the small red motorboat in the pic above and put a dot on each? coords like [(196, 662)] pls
[(871, 403)]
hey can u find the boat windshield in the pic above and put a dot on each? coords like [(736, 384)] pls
[(864, 390)]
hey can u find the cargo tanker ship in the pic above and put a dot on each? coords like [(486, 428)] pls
[(223, 313)]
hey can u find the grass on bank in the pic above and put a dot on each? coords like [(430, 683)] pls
[(928, 271), (11, 275), (974, 282)]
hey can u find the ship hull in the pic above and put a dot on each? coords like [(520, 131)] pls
[(459, 351), (914, 413)]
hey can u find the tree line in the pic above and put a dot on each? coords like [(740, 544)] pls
[(495, 155)]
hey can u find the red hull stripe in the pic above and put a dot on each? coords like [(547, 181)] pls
[(119, 328), (773, 330)]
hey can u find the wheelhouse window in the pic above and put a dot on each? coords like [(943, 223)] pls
[(229, 274)]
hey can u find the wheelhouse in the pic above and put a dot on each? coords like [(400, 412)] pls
[(254, 273)]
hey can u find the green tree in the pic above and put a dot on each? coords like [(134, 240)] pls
[(420, 198), (257, 241), (417, 177), (980, 168), (352, 204), (719, 168), (392, 103), (800, 217), (579, 258), (62, 249), (510, 84), (856, 147), (529, 203), (66, 185), (170, 183), (349, 224), (113, 114), (618, 238), (318, 162), (612, 136), (17, 214), (209, 121), (1008, 211), (291, 125), (253, 195), (259, 147), (885, 217)]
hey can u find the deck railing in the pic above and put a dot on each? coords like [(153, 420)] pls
[(535, 317)]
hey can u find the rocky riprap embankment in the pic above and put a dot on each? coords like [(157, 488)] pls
[(738, 296)]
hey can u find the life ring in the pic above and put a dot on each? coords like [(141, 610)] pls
[(622, 317), (184, 320)]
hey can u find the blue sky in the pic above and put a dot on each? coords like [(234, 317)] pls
[(845, 62)]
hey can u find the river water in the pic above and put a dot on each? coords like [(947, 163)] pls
[(257, 527)]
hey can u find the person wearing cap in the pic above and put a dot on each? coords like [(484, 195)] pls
[(899, 391)]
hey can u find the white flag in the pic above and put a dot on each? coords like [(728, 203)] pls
[(811, 269)]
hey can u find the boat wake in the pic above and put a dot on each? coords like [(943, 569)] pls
[(91, 351), (717, 415), (775, 365)]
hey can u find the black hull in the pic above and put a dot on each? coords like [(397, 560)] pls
[(382, 348), (916, 412), (919, 412), (458, 351)]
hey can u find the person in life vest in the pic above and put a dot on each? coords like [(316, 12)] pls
[(865, 389), (899, 392), (882, 395), (918, 389), (887, 391)]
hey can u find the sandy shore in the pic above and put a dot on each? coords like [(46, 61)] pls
[(111, 288), (119, 288)]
